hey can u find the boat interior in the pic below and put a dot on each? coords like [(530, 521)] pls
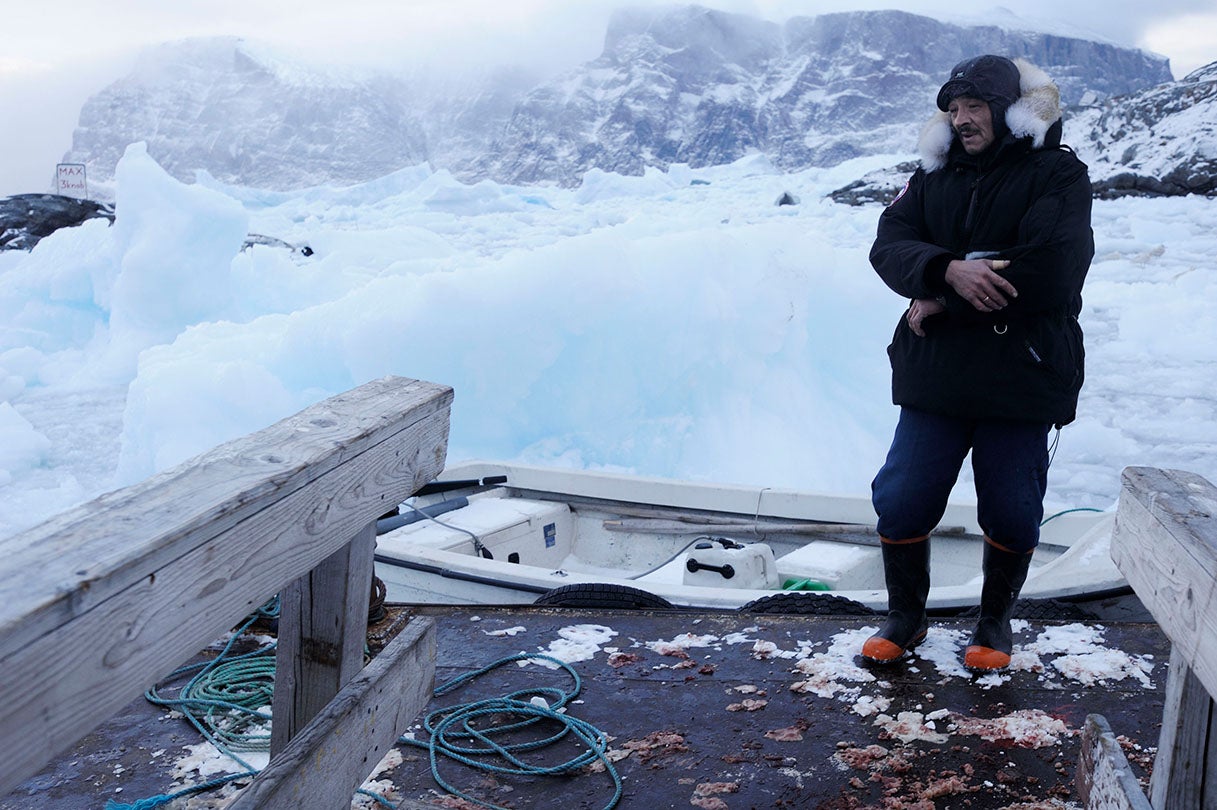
[(648, 543)]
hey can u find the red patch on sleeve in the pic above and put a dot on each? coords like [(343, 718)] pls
[(901, 194)]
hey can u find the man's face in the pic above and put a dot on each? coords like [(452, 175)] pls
[(972, 121)]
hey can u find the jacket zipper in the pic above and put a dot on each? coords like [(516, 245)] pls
[(969, 221)]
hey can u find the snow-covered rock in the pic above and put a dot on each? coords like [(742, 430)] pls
[(26, 218), (1162, 141)]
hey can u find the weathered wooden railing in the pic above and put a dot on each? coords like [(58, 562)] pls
[(1165, 543), (99, 603)]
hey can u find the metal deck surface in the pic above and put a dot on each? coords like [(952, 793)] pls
[(724, 711)]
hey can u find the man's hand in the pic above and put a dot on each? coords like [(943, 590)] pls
[(919, 310), (978, 284)]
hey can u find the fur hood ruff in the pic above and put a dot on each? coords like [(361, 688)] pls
[(1037, 109)]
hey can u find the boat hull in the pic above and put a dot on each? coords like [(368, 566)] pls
[(539, 530)]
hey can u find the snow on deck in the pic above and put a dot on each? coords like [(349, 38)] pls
[(721, 710)]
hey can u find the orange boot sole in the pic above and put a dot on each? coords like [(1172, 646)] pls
[(984, 659), (879, 650)]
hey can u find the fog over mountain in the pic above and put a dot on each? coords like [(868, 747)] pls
[(685, 86), (226, 107)]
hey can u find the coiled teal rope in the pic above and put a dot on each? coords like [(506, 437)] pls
[(224, 702), (228, 701), (453, 729), (226, 698)]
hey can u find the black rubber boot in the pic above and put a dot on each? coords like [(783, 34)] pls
[(993, 640), (906, 569)]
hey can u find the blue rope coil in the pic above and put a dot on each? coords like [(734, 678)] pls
[(454, 732)]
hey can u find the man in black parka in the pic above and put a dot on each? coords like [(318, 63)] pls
[(990, 241)]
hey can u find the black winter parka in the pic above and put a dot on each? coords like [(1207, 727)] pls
[(1028, 200)]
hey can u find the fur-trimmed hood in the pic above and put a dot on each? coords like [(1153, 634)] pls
[(1037, 109)]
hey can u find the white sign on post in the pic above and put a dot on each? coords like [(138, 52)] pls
[(70, 180)]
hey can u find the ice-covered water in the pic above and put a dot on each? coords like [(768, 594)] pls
[(678, 324)]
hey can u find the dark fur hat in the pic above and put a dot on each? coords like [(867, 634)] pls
[(990, 78)]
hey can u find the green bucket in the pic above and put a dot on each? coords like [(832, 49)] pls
[(805, 585)]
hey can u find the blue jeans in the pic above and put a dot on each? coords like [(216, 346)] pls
[(1009, 464)]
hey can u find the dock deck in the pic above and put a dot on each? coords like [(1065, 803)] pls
[(726, 710)]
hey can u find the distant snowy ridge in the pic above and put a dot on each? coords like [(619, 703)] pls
[(705, 87), (686, 85), (1162, 141), (230, 108)]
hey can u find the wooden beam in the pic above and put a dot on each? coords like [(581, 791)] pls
[(333, 755), (82, 557), (1165, 544), (323, 619), (1181, 767), (120, 591), (1104, 779)]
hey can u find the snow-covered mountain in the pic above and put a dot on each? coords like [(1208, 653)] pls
[(687, 85), (248, 116), (1162, 141), (707, 87)]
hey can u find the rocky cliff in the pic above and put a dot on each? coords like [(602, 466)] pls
[(688, 85)]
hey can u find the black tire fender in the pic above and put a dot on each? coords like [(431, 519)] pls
[(602, 595), (799, 603)]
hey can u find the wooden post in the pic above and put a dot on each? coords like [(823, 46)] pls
[(1182, 764), (1165, 543), (323, 621), (1104, 779), (323, 765)]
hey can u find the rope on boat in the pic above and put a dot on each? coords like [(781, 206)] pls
[(455, 732), (478, 547), (655, 568)]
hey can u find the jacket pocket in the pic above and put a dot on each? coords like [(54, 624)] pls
[(1055, 348)]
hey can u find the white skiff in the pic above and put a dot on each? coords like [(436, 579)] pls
[(510, 534)]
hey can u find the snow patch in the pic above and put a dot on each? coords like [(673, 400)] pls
[(578, 642)]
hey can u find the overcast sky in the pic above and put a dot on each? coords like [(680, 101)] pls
[(53, 55)]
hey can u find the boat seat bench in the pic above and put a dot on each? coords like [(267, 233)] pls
[(827, 562), (538, 532)]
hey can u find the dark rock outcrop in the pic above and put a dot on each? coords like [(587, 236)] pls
[(879, 186), (26, 218)]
